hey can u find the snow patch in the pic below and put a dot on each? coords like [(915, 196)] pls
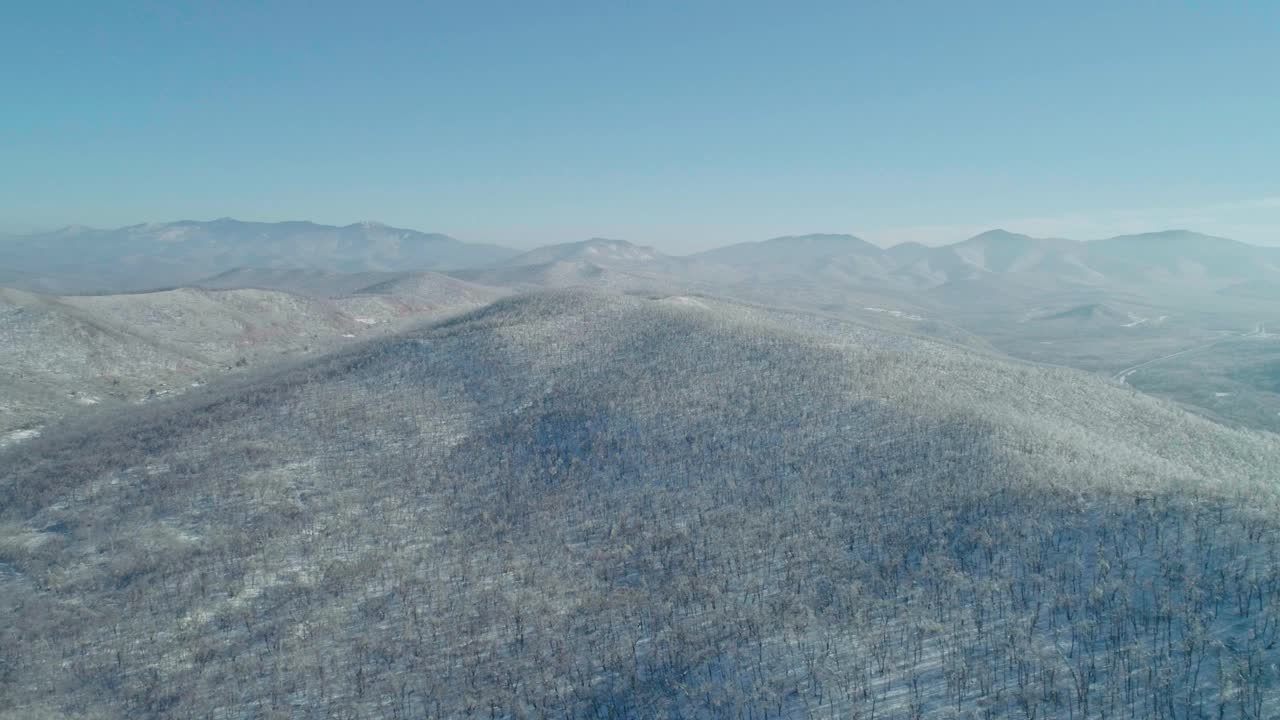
[(1135, 320), (172, 235), (895, 313), (684, 300), (18, 436)]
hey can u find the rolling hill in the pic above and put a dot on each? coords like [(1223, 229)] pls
[(615, 265), (62, 356), (584, 505)]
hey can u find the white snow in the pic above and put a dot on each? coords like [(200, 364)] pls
[(18, 436), (894, 313), (173, 234), (366, 321), (683, 300)]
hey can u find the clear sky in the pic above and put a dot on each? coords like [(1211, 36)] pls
[(682, 125)]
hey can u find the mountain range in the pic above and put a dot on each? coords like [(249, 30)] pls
[(137, 257), (1153, 258), (187, 252), (1102, 305)]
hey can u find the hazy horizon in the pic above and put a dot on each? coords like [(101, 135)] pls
[(683, 128), (928, 236)]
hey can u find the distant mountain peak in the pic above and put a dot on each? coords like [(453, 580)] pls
[(1166, 236), (73, 230), (596, 250), (819, 238), (216, 222), (998, 235), (797, 253), (827, 243), (618, 246)]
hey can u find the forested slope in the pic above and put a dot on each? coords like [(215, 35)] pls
[(61, 355), (577, 505)]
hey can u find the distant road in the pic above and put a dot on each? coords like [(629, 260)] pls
[(1122, 377)]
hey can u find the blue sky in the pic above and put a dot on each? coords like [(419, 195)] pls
[(682, 125)]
